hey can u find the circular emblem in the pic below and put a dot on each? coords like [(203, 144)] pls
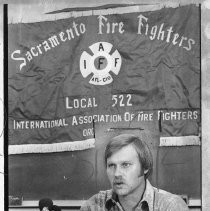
[(100, 63)]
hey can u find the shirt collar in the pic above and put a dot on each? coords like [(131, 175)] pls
[(148, 197), (111, 199)]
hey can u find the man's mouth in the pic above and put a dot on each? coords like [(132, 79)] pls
[(118, 184)]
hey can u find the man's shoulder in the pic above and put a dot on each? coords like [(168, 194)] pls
[(102, 195), (97, 200), (169, 200), (163, 194)]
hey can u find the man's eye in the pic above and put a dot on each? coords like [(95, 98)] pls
[(111, 165), (126, 165)]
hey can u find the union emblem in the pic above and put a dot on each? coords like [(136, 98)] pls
[(100, 63)]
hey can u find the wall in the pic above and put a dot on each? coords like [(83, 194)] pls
[(205, 18)]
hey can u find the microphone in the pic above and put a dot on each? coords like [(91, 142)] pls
[(56, 208), (45, 204)]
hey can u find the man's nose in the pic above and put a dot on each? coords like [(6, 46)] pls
[(118, 171)]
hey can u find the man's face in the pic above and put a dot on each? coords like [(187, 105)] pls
[(124, 171)]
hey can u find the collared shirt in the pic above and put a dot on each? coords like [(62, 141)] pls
[(153, 200)]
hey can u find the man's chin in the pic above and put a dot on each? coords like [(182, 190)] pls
[(121, 192)]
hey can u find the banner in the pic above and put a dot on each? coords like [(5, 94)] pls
[(122, 67)]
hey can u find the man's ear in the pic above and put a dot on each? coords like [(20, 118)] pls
[(142, 173), (145, 171)]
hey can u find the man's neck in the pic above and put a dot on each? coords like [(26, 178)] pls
[(129, 202)]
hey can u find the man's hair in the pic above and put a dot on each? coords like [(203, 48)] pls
[(142, 149), (45, 202)]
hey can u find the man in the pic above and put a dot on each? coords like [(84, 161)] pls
[(128, 163)]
